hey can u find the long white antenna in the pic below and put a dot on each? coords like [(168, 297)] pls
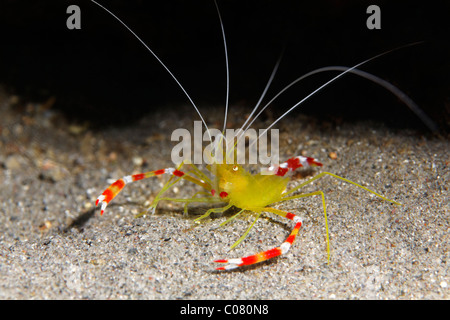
[(389, 86), (274, 71), (329, 82), (227, 67), (159, 60)]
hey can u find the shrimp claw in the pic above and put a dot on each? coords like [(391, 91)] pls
[(292, 164), (113, 190), (265, 255)]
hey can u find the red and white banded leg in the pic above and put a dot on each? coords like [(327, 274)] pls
[(265, 255), (292, 164), (112, 191)]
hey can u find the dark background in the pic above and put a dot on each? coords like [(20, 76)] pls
[(103, 75)]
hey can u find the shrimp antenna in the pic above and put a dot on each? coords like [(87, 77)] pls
[(241, 131), (159, 60), (347, 70), (274, 71), (396, 91), (226, 65)]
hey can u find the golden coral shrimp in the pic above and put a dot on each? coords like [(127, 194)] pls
[(236, 187)]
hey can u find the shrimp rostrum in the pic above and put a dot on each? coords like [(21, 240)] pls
[(230, 184)]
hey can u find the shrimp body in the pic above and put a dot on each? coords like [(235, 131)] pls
[(249, 191), (242, 189)]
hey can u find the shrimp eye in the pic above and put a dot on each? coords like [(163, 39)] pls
[(235, 168)]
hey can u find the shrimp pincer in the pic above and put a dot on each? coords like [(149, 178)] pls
[(229, 184)]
